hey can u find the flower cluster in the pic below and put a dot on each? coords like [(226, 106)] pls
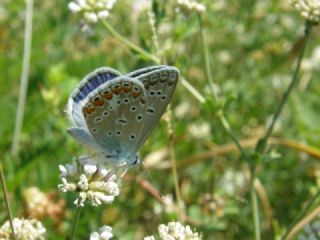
[(104, 233), (93, 182), (92, 10), (175, 231), (192, 5), (309, 9), (23, 229)]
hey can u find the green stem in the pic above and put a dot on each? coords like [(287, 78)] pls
[(301, 214), (254, 206), (192, 90), (128, 43), (6, 198), (228, 129), (24, 77), (261, 146), (75, 223), (207, 59)]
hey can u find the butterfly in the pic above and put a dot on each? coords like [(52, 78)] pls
[(115, 113)]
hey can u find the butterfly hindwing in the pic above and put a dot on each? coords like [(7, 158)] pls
[(114, 114), (86, 86)]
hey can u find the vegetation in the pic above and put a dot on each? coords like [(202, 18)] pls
[(242, 128)]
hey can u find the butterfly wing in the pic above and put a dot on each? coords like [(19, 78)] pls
[(79, 130), (114, 114), (160, 83)]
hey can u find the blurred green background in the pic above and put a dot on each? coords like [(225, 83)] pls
[(253, 47)]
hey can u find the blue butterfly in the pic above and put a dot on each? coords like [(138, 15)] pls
[(114, 113)]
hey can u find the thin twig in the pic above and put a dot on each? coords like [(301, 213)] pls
[(261, 146), (128, 43), (24, 77)]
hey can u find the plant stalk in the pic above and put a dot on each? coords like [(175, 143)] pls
[(261, 146), (75, 223), (24, 77), (129, 43), (6, 198)]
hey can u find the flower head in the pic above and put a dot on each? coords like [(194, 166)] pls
[(92, 182), (175, 231), (104, 233), (24, 229), (309, 9), (192, 5), (92, 10)]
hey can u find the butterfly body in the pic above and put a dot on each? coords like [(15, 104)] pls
[(114, 114)]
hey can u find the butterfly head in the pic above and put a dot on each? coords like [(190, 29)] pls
[(123, 159)]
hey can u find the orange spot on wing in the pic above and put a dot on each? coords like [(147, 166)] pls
[(107, 95), (117, 90), (135, 94), (127, 89), (89, 110), (98, 102)]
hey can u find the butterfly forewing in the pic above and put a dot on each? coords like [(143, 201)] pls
[(159, 83), (115, 114)]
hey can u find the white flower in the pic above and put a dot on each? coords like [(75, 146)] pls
[(92, 10), (93, 183), (192, 5), (309, 9), (175, 231), (149, 238), (24, 229), (104, 233), (200, 130)]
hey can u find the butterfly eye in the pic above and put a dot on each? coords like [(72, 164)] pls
[(118, 102), (110, 107), (109, 133), (105, 113), (159, 93), (126, 101), (94, 130)]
